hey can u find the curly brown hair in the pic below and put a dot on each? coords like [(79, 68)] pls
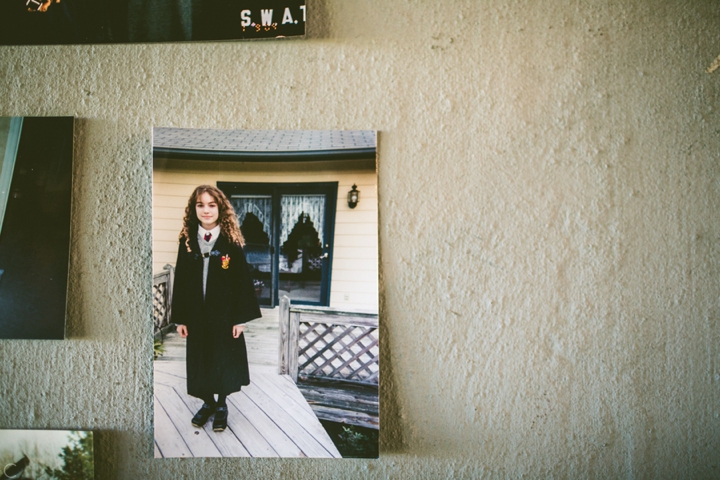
[(226, 216)]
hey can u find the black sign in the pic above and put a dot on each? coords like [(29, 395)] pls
[(49, 22)]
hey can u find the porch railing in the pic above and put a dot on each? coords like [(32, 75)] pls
[(162, 298), (333, 356)]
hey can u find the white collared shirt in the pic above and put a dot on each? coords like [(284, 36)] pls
[(214, 232), (206, 247)]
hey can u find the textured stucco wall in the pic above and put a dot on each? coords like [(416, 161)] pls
[(549, 237)]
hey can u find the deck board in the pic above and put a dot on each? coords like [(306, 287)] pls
[(291, 426), (268, 418), (287, 390), (227, 443), (252, 439), (170, 443), (163, 378), (274, 435), (196, 439)]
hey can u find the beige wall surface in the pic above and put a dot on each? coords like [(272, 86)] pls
[(549, 189), (354, 284)]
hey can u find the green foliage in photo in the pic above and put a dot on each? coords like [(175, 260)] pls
[(77, 459)]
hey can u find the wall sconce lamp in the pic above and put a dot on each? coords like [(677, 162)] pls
[(353, 197)]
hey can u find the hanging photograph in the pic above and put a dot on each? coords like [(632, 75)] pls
[(35, 195), (265, 293), (46, 454), (53, 22)]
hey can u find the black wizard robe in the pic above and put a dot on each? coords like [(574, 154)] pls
[(216, 362)]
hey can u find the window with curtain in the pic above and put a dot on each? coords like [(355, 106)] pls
[(292, 206)]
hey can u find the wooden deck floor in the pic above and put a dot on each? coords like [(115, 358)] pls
[(268, 418)]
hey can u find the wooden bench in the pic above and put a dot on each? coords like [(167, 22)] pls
[(333, 357)]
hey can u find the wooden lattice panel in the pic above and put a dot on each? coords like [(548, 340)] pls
[(333, 356), (162, 297), (159, 305), (343, 352)]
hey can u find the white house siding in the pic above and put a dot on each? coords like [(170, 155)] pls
[(355, 253)]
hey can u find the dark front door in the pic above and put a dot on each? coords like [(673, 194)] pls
[(288, 230)]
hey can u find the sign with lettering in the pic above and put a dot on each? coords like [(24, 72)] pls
[(52, 22), (272, 22)]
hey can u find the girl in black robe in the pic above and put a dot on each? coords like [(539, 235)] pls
[(213, 298)]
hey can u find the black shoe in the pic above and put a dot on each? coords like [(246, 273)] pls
[(202, 416), (220, 420)]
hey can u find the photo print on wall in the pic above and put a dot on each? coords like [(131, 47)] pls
[(53, 22), (35, 197), (46, 454), (265, 291)]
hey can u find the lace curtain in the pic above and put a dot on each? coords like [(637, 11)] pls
[(261, 207), (291, 206)]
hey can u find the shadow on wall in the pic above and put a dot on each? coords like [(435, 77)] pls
[(392, 438)]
